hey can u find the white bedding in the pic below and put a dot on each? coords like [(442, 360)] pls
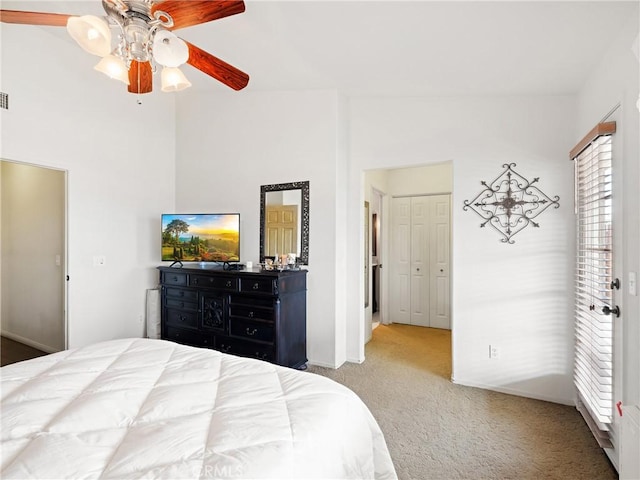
[(140, 408)]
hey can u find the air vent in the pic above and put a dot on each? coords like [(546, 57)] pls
[(4, 100)]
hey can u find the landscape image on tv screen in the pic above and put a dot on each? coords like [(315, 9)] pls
[(201, 237)]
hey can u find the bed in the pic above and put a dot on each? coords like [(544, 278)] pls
[(143, 408)]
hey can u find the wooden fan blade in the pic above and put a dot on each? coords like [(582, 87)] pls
[(140, 77), (216, 68), (34, 18), (186, 14)]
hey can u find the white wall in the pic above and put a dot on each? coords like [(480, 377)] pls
[(33, 225), (426, 180), (513, 296), (229, 145), (120, 162)]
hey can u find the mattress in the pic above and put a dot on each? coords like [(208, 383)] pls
[(146, 408)]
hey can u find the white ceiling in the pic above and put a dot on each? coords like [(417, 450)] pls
[(402, 48)]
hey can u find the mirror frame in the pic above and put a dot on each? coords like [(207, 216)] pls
[(303, 256)]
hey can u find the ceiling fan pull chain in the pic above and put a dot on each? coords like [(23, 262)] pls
[(138, 100)]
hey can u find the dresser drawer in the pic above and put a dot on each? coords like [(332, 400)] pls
[(248, 311), (181, 318), (179, 303), (174, 278), (252, 330), (188, 337), (219, 283), (180, 293), (259, 285), (245, 349), (253, 300)]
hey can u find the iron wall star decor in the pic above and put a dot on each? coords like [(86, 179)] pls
[(510, 203)]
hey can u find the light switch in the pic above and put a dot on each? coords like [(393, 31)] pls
[(58, 260), (633, 284)]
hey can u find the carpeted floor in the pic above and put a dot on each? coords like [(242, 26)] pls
[(438, 430)]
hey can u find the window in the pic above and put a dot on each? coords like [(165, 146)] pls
[(593, 373)]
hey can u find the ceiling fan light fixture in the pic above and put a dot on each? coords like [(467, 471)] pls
[(173, 80), (113, 67), (91, 33), (169, 50)]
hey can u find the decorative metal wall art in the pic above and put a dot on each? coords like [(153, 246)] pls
[(510, 203)]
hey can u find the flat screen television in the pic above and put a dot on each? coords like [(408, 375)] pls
[(201, 237)]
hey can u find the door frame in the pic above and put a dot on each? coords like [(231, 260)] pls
[(64, 261)]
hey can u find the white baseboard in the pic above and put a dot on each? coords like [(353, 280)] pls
[(356, 360), (321, 364), (31, 343), (518, 393), (333, 366)]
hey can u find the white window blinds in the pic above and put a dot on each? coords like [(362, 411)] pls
[(593, 373)]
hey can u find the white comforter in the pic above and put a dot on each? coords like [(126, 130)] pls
[(140, 408)]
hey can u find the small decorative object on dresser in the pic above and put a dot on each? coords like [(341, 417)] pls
[(260, 314)]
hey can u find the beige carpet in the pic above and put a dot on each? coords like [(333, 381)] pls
[(438, 430)]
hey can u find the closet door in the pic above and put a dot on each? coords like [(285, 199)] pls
[(400, 275), (419, 258), (420, 246), (440, 261)]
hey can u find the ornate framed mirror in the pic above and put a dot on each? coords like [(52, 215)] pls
[(284, 220)]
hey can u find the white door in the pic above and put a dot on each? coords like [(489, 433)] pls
[(439, 261), (419, 259), (400, 275), (420, 250)]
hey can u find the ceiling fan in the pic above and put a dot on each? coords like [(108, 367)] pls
[(145, 39)]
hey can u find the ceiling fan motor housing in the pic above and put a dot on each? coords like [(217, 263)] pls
[(138, 25)]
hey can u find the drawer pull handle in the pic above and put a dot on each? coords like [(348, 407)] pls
[(251, 332), (225, 348), (228, 283), (175, 279), (181, 294), (250, 314), (256, 286), (195, 281), (182, 318), (261, 356)]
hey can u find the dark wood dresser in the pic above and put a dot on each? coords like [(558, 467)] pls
[(260, 314)]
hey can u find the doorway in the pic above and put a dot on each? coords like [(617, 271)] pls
[(376, 256), (33, 255), (432, 179)]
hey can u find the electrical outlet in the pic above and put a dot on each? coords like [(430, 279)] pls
[(99, 261), (494, 352), (633, 284)]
